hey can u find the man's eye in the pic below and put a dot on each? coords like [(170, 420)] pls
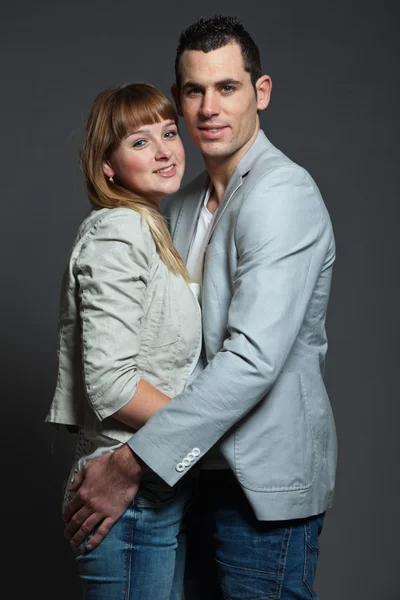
[(194, 92), (228, 89)]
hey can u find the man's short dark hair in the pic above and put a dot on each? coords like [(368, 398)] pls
[(214, 33)]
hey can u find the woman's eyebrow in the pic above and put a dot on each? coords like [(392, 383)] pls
[(136, 131), (147, 130)]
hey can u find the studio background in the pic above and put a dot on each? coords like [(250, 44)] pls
[(334, 110)]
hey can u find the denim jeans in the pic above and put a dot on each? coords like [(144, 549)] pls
[(143, 556), (233, 556)]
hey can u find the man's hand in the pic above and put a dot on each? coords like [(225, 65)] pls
[(104, 488)]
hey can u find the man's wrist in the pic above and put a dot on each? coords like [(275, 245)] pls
[(139, 466), (142, 466)]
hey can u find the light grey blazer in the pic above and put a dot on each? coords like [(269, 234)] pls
[(267, 278), (124, 316)]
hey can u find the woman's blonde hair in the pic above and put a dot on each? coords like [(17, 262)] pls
[(114, 113)]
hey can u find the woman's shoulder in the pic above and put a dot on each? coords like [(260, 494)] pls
[(119, 221), (119, 228)]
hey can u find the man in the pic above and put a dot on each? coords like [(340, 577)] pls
[(255, 232)]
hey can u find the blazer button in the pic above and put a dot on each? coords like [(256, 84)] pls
[(196, 451), (180, 467), (191, 456), (186, 461)]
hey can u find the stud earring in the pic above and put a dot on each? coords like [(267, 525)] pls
[(111, 180)]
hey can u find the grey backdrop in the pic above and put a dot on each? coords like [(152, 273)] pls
[(334, 109)]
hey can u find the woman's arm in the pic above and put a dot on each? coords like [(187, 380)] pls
[(113, 270), (146, 401)]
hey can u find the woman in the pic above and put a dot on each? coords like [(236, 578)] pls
[(130, 332)]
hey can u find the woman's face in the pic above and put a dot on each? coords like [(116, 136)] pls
[(150, 161)]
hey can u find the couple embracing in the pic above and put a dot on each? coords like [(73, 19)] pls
[(192, 343)]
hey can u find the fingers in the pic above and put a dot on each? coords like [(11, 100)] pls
[(86, 529), (72, 507), (78, 480), (100, 534), (77, 521)]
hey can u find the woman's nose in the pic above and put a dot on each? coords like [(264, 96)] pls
[(163, 151)]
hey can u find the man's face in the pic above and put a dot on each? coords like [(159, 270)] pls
[(218, 101)]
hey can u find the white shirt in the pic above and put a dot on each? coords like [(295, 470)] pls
[(198, 245), (195, 265)]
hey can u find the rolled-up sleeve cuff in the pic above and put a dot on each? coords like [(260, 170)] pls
[(108, 403)]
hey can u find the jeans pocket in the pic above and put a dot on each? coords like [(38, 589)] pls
[(238, 583), (155, 493), (254, 575)]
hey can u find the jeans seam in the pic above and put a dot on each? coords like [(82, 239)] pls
[(282, 567), (307, 550), (131, 530)]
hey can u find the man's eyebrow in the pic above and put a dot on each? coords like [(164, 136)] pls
[(228, 81), (218, 84)]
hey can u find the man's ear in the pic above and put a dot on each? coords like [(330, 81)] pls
[(177, 98), (263, 91)]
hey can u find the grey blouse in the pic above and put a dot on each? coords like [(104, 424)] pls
[(124, 316)]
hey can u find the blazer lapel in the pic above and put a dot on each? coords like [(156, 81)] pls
[(188, 216), (191, 205), (261, 143)]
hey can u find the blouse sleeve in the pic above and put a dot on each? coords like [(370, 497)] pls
[(112, 271)]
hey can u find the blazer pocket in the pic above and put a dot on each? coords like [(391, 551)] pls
[(275, 448)]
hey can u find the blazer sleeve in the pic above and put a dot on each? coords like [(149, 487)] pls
[(112, 272), (283, 239)]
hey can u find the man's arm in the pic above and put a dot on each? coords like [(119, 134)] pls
[(283, 237), (283, 240)]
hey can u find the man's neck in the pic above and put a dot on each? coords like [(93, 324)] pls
[(220, 171)]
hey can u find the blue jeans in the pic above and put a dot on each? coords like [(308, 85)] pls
[(233, 556), (143, 556)]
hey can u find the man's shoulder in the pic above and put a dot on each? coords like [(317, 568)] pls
[(271, 160), (274, 168)]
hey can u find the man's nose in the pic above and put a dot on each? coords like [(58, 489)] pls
[(210, 105)]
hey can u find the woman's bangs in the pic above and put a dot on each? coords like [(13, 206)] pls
[(135, 113)]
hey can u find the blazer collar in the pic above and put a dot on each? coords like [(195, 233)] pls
[(191, 206), (260, 144)]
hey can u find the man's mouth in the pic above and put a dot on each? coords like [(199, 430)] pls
[(212, 131), (211, 127)]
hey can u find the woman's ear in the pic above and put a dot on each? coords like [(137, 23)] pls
[(107, 169)]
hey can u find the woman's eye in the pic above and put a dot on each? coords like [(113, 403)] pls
[(138, 143), (171, 134)]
